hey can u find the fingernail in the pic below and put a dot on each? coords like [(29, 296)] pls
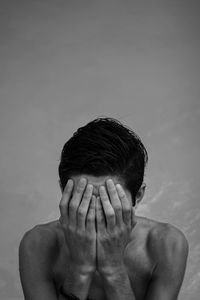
[(83, 180), (90, 186), (70, 182), (109, 181), (102, 188), (118, 186)]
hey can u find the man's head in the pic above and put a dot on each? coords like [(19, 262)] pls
[(104, 147)]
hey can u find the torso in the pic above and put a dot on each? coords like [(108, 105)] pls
[(138, 259)]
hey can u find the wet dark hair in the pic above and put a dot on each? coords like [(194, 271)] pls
[(105, 147)]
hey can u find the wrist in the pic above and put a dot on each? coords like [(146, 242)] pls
[(118, 285), (84, 271), (71, 296), (114, 274), (78, 279), (77, 284)]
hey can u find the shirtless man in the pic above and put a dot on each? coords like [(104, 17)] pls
[(99, 249)]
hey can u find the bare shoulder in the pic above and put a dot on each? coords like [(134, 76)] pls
[(164, 243), (41, 234), (39, 243), (168, 248), (166, 240), (38, 251)]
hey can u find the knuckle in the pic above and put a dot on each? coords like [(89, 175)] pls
[(114, 192), (105, 200), (70, 229), (101, 237), (103, 195), (99, 209), (72, 206), (100, 213), (91, 216), (92, 207), (122, 196), (118, 208), (81, 212), (79, 233), (111, 188), (91, 213), (115, 234), (122, 193), (90, 219), (79, 189), (61, 205), (89, 236), (110, 215), (87, 195), (67, 190), (127, 210), (123, 230), (101, 218)]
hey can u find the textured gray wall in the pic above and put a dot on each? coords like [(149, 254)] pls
[(65, 62)]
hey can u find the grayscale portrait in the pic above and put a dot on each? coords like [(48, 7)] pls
[(99, 169)]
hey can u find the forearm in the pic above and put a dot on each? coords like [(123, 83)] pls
[(77, 284), (117, 286)]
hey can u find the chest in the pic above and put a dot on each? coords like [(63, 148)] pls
[(138, 266)]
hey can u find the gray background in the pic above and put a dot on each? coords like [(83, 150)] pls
[(64, 63)]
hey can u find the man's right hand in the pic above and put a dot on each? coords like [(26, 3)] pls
[(77, 208)]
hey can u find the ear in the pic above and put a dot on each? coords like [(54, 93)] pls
[(140, 194)]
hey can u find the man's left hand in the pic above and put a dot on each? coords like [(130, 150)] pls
[(115, 220)]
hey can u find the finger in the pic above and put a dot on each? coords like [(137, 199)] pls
[(83, 207), (75, 201), (90, 220), (133, 218), (107, 208), (63, 206), (101, 224), (115, 201), (126, 205)]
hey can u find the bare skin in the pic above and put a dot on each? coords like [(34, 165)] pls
[(100, 248)]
